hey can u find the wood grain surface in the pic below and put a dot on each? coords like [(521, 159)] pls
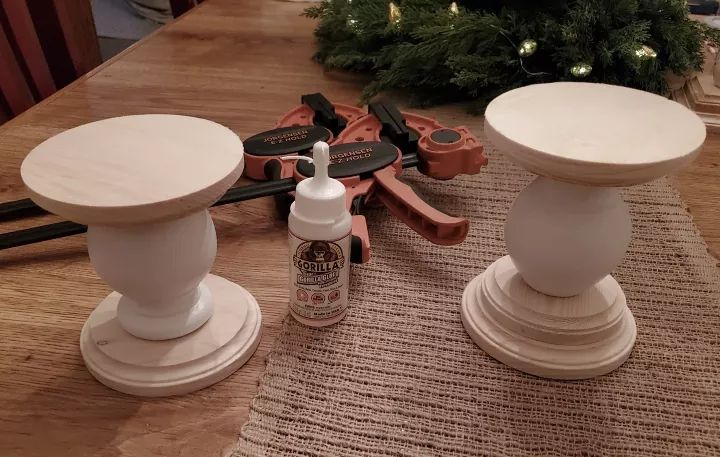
[(240, 63), (579, 149), (133, 169)]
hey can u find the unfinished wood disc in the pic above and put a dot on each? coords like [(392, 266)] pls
[(173, 367), (133, 169), (595, 134), (577, 337)]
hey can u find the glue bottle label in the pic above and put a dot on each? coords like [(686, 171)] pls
[(319, 276)]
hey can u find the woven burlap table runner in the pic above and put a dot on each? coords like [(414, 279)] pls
[(400, 377)]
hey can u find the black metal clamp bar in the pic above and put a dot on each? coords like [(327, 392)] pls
[(63, 229)]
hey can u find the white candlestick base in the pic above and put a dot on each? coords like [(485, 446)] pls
[(143, 184), (148, 368), (563, 338), (551, 308)]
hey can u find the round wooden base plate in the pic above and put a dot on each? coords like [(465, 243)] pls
[(563, 338), (147, 368)]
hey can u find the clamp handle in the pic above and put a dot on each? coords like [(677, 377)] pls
[(316, 119), (278, 142), (429, 222), (360, 245)]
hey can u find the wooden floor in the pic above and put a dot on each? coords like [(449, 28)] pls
[(241, 63)]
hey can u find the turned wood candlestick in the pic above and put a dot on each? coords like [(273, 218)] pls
[(551, 307), (143, 184)]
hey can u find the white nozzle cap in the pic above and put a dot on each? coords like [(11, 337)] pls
[(320, 197), (321, 160)]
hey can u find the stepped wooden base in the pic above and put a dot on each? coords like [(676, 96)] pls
[(702, 96), (177, 366), (564, 338)]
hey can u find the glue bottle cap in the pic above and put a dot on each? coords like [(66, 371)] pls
[(320, 197)]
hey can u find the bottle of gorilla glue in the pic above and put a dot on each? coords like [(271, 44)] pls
[(319, 234)]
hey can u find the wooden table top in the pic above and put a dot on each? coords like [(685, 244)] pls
[(241, 63)]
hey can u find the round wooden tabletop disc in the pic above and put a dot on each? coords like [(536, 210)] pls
[(133, 169), (594, 134), (177, 366)]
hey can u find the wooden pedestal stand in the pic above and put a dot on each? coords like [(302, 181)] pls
[(551, 308), (700, 94), (143, 185)]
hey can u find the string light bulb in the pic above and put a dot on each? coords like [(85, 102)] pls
[(394, 14), (581, 70)]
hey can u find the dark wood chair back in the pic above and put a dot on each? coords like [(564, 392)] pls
[(180, 7), (44, 45)]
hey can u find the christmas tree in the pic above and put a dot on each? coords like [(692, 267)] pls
[(438, 51)]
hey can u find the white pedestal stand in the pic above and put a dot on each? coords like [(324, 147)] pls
[(142, 184), (551, 308)]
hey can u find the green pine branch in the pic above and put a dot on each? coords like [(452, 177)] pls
[(435, 56)]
